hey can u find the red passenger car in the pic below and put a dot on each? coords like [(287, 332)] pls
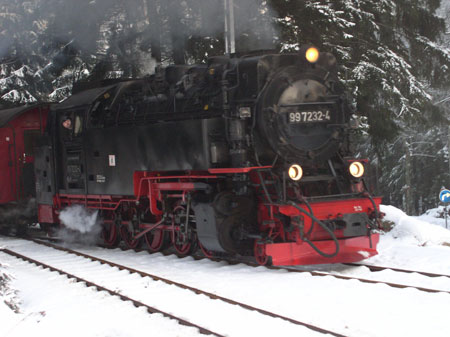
[(20, 129)]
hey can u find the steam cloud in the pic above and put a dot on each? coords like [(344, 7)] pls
[(254, 26), (78, 218), (60, 21), (19, 212), (262, 26), (81, 225), (116, 37)]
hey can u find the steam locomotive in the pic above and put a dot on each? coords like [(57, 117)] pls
[(241, 156)]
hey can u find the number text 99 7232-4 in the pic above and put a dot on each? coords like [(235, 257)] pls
[(309, 116)]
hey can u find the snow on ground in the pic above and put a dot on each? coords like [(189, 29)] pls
[(419, 243), (436, 216), (9, 301), (51, 306)]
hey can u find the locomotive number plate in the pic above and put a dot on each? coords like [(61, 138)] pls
[(309, 116)]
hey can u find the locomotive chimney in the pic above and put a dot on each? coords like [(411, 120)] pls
[(230, 41)]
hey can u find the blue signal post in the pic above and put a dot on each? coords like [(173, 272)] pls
[(444, 196)]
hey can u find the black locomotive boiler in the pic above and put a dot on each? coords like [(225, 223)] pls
[(240, 156)]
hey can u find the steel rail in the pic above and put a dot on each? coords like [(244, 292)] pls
[(186, 287), (400, 270), (363, 280), (136, 303)]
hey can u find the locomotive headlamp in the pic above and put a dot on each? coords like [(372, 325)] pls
[(356, 169), (312, 55), (295, 172)]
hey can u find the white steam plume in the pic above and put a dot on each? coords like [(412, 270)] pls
[(78, 218), (80, 225)]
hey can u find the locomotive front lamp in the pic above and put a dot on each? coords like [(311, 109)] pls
[(312, 55), (356, 169), (295, 172)]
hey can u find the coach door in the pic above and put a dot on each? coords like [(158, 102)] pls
[(28, 182), (73, 155), (7, 166)]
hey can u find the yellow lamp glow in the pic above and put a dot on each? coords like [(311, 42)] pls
[(295, 172), (356, 169), (312, 55)]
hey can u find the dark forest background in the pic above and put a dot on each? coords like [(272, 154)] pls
[(394, 58)]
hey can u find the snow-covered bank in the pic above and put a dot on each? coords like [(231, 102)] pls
[(436, 216), (425, 230), (413, 243)]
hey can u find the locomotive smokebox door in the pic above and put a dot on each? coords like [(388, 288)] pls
[(300, 116)]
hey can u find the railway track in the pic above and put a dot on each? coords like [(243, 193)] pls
[(299, 297), (320, 273), (267, 314), (400, 270), (371, 281), (136, 303)]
